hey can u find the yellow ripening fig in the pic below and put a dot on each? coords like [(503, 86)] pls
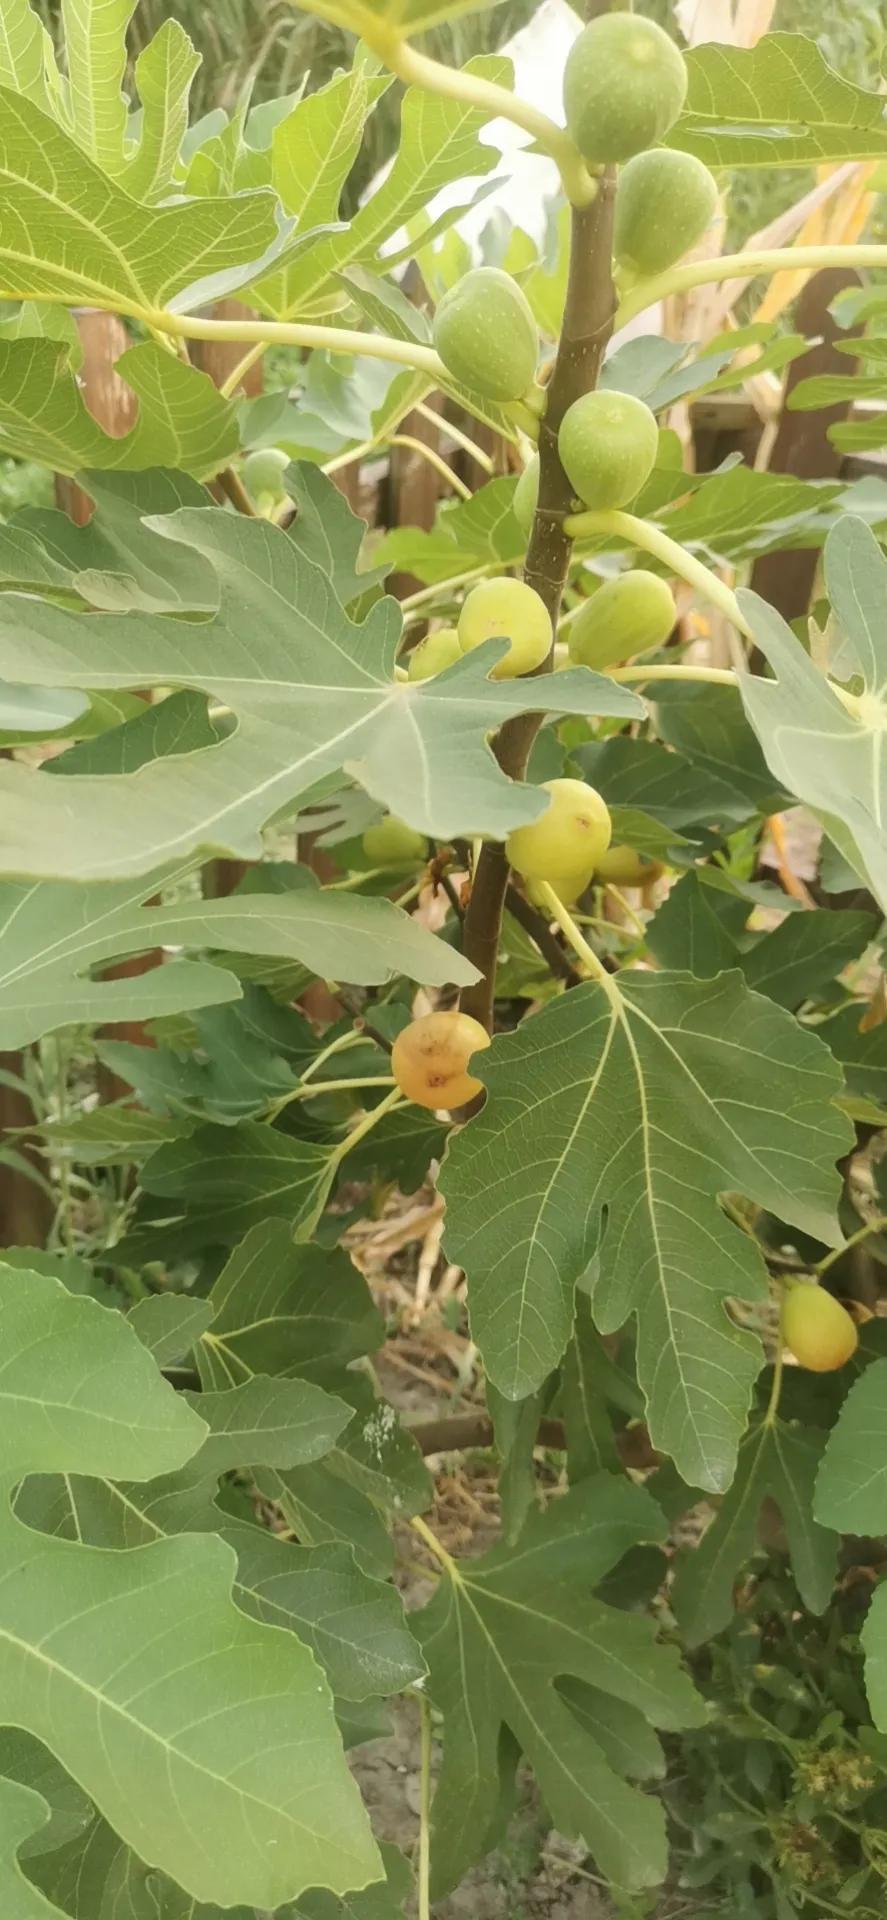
[(509, 610), (429, 1059), (486, 336), (436, 651), (389, 842), (625, 83), (567, 840), (623, 617), (817, 1329), (664, 202), (608, 444), (625, 868)]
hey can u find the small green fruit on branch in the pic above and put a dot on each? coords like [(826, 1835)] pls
[(625, 83), (623, 617), (608, 444), (665, 200), (486, 336)]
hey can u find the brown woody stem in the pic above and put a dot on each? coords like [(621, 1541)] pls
[(588, 323)]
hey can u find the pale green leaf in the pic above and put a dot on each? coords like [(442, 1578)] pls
[(108, 1136), (798, 959), (851, 1490), (78, 1389), (500, 1631), (95, 58), (778, 103), (36, 320), (116, 561), (313, 693), (183, 420), (467, 533), (439, 143), (286, 1309), (70, 233), (164, 71), (25, 51), (611, 1130), (776, 1462), (22, 1814), (830, 752), (267, 1423), (591, 1443), (168, 1324), (56, 935), (314, 148)]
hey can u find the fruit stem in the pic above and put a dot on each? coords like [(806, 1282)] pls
[(424, 1861), (299, 333), (457, 434), (579, 944), (744, 266), (417, 70), (365, 1126), (718, 676), (862, 1233), (434, 459), (776, 1385), (641, 533)]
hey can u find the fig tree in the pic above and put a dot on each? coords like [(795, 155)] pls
[(623, 617), (664, 202), (436, 651), (625, 83), (817, 1329), (510, 610), (389, 842), (429, 1059), (486, 336), (263, 473), (608, 444), (567, 840)]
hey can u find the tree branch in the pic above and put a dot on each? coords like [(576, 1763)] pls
[(588, 324), (539, 930)]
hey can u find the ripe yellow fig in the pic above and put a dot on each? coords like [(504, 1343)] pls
[(486, 336), (436, 651), (623, 617), (608, 443), (625, 83), (817, 1329), (389, 842), (429, 1059), (626, 868), (567, 840), (509, 610)]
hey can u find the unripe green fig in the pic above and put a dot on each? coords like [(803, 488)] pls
[(567, 840), (486, 336), (569, 888), (436, 651), (389, 842), (510, 610), (263, 472), (623, 617), (817, 1329), (625, 868), (525, 498), (625, 83), (608, 444), (664, 202)]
